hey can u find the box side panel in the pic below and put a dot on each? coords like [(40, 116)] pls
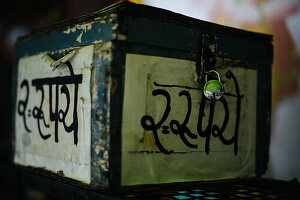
[(248, 59), (81, 34), (56, 45), (52, 116), (175, 128)]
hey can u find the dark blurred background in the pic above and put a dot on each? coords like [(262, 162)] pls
[(18, 18), (281, 18)]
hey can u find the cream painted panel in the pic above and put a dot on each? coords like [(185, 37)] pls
[(175, 148)]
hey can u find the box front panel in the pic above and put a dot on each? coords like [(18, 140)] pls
[(171, 133), (53, 114)]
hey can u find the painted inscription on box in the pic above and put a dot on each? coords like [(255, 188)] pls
[(52, 120), (176, 134), (182, 129)]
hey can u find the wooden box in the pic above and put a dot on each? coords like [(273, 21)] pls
[(114, 99)]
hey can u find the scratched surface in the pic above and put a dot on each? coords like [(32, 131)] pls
[(53, 115), (81, 34), (176, 134)]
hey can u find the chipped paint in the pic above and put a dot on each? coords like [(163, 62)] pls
[(114, 26), (101, 89), (121, 36), (59, 151), (79, 37), (97, 41), (64, 51), (83, 27), (104, 50), (113, 15), (100, 146), (94, 91)]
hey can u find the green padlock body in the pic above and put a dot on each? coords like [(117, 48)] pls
[(213, 86)]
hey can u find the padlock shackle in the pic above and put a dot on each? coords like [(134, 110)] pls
[(210, 71)]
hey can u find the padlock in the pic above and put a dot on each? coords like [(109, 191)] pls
[(213, 89)]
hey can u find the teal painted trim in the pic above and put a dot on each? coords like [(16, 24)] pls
[(58, 39)]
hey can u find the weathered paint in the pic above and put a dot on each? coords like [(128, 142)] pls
[(81, 27), (100, 87), (77, 35), (41, 137)]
